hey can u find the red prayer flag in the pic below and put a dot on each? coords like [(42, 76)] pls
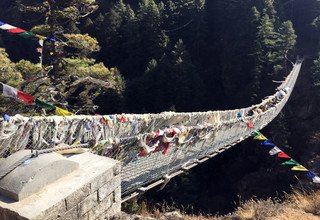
[(250, 125), (283, 155), (25, 97), (16, 30)]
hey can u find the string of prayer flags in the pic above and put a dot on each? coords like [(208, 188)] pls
[(277, 151), (21, 32), (299, 168), (274, 151), (62, 112), (9, 91), (268, 143)]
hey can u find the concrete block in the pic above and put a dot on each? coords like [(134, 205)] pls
[(69, 215), (34, 174), (101, 180), (87, 204), (101, 207), (53, 200), (114, 210), (108, 188), (76, 197)]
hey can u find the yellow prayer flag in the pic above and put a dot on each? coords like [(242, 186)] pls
[(40, 37), (62, 112), (260, 137), (299, 168)]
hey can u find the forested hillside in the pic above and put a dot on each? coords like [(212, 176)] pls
[(150, 56)]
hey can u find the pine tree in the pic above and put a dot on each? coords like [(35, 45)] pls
[(70, 52)]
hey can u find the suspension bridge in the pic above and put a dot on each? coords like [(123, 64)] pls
[(152, 148)]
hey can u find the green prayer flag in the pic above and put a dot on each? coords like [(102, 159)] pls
[(290, 162), (27, 34), (43, 104)]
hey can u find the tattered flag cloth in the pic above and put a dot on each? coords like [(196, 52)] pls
[(299, 168), (15, 93), (260, 137), (6, 117), (290, 162), (275, 151), (268, 143), (62, 112), (250, 125)]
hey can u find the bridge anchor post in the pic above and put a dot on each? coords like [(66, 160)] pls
[(90, 188)]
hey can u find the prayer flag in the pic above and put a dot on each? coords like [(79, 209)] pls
[(62, 112), (283, 155), (268, 143), (299, 168), (316, 179), (2, 23), (9, 91), (41, 43), (40, 37), (43, 104), (311, 175), (16, 30), (275, 151), (7, 27), (260, 137), (25, 97), (27, 34), (290, 162)]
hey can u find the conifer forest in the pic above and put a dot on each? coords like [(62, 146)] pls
[(151, 56)]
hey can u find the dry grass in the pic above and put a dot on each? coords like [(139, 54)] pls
[(299, 205)]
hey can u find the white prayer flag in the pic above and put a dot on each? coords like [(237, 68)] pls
[(274, 151)]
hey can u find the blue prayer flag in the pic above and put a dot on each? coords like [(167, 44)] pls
[(268, 143), (1, 23), (311, 175)]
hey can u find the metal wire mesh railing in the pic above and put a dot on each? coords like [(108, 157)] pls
[(148, 145)]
